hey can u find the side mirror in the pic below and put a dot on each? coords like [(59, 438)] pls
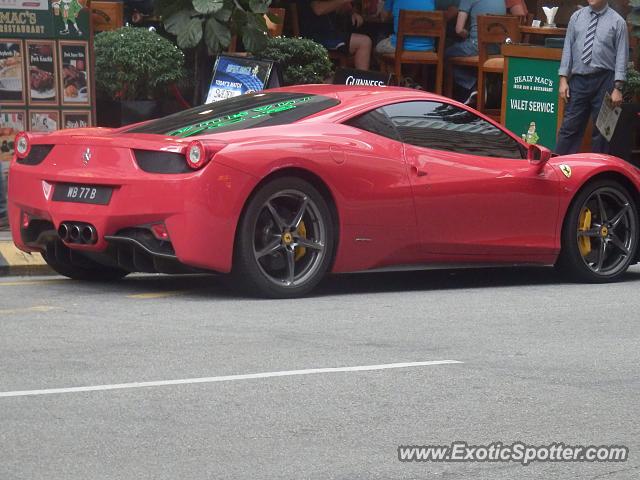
[(538, 155)]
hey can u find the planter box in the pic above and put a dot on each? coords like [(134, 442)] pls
[(625, 137)]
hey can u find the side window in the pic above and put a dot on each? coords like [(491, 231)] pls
[(444, 127), (376, 122)]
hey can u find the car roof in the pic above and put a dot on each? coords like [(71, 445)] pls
[(357, 93), (353, 98)]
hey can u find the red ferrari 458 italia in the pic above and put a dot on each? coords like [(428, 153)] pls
[(279, 188)]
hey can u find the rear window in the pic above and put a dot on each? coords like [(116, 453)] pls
[(238, 113)]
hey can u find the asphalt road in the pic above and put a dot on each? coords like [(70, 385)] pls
[(542, 361)]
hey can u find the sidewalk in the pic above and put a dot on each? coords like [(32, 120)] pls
[(17, 262)]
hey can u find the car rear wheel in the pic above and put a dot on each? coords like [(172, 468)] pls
[(285, 240), (88, 270), (600, 233)]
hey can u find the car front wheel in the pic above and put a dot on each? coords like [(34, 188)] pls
[(285, 240), (600, 233)]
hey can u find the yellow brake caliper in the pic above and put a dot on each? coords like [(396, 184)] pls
[(584, 224), (302, 231)]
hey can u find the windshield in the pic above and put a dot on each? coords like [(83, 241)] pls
[(238, 113)]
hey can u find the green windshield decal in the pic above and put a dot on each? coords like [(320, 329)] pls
[(243, 116)]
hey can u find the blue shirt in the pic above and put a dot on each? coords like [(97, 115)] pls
[(412, 43), (610, 45), (480, 7)]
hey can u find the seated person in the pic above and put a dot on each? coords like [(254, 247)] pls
[(412, 43), (465, 78), (320, 21), (450, 9), (516, 7)]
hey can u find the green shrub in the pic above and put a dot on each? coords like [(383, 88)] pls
[(632, 85), (135, 64), (302, 61)]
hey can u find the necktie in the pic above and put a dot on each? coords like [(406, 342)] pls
[(587, 51)]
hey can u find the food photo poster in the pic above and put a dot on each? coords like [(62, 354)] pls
[(12, 84), (74, 71), (44, 121), (79, 119), (41, 66), (11, 122)]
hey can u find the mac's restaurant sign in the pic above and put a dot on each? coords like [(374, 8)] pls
[(532, 100), (44, 19)]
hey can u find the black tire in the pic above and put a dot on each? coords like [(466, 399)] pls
[(274, 256), (88, 271), (598, 247)]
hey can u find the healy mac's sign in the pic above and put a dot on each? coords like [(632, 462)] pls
[(531, 109)]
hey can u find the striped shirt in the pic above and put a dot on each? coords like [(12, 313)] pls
[(610, 45)]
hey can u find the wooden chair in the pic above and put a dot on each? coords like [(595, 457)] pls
[(419, 24), (497, 27), (295, 21), (492, 30)]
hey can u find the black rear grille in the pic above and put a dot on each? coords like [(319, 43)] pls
[(145, 238), (161, 162), (36, 156)]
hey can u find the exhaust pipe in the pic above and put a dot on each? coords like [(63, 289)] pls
[(63, 232), (74, 233), (89, 234)]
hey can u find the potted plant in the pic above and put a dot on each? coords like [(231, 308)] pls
[(134, 69), (625, 142), (302, 60)]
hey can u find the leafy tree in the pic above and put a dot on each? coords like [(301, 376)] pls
[(214, 22)]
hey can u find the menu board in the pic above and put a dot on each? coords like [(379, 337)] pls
[(12, 77), (45, 68), (233, 76)]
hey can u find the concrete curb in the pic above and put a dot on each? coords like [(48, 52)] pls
[(17, 262)]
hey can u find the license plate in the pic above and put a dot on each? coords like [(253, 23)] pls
[(67, 192)]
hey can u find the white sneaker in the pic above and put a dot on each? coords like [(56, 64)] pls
[(473, 99)]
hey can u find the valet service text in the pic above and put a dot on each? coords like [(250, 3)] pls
[(530, 106)]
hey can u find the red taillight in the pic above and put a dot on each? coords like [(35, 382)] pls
[(159, 231), (196, 155), (22, 145), (26, 220)]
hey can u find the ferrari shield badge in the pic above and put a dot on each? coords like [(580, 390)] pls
[(566, 169), (86, 157)]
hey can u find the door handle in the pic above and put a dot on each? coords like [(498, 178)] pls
[(418, 171)]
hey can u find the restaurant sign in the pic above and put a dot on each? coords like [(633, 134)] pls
[(44, 19), (532, 100)]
